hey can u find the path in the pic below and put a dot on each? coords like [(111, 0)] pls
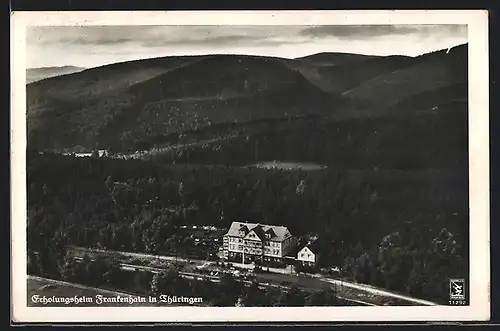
[(135, 255), (154, 151), (361, 287), (377, 291)]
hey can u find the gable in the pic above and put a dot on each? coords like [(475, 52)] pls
[(270, 234), (306, 250), (252, 236)]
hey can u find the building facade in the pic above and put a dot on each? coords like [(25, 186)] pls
[(250, 242), (308, 255)]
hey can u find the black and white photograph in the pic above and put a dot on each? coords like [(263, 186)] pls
[(217, 164)]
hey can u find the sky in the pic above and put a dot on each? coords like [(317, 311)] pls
[(92, 46)]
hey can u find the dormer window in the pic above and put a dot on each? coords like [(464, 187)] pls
[(270, 233), (243, 230)]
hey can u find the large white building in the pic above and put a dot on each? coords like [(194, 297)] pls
[(250, 242)]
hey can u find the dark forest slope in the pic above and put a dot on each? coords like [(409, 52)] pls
[(426, 73), (137, 104), (132, 102), (340, 78)]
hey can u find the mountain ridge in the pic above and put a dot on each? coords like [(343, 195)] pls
[(41, 73), (129, 102)]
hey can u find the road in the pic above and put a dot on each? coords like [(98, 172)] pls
[(135, 255), (340, 283), (376, 291), (216, 279), (154, 151)]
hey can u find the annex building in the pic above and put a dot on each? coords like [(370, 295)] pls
[(308, 255)]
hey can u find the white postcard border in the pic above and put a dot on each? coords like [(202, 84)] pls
[(479, 308)]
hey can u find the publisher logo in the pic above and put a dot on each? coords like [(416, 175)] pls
[(457, 289)]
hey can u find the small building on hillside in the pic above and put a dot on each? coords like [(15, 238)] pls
[(308, 255)]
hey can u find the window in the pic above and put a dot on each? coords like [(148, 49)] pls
[(302, 254)]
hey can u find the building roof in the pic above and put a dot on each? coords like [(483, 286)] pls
[(243, 228), (277, 231), (313, 247)]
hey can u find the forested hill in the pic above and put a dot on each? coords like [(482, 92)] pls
[(109, 105), (424, 74), (36, 74), (143, 103)]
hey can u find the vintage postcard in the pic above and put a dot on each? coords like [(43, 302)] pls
[(290, 166)]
